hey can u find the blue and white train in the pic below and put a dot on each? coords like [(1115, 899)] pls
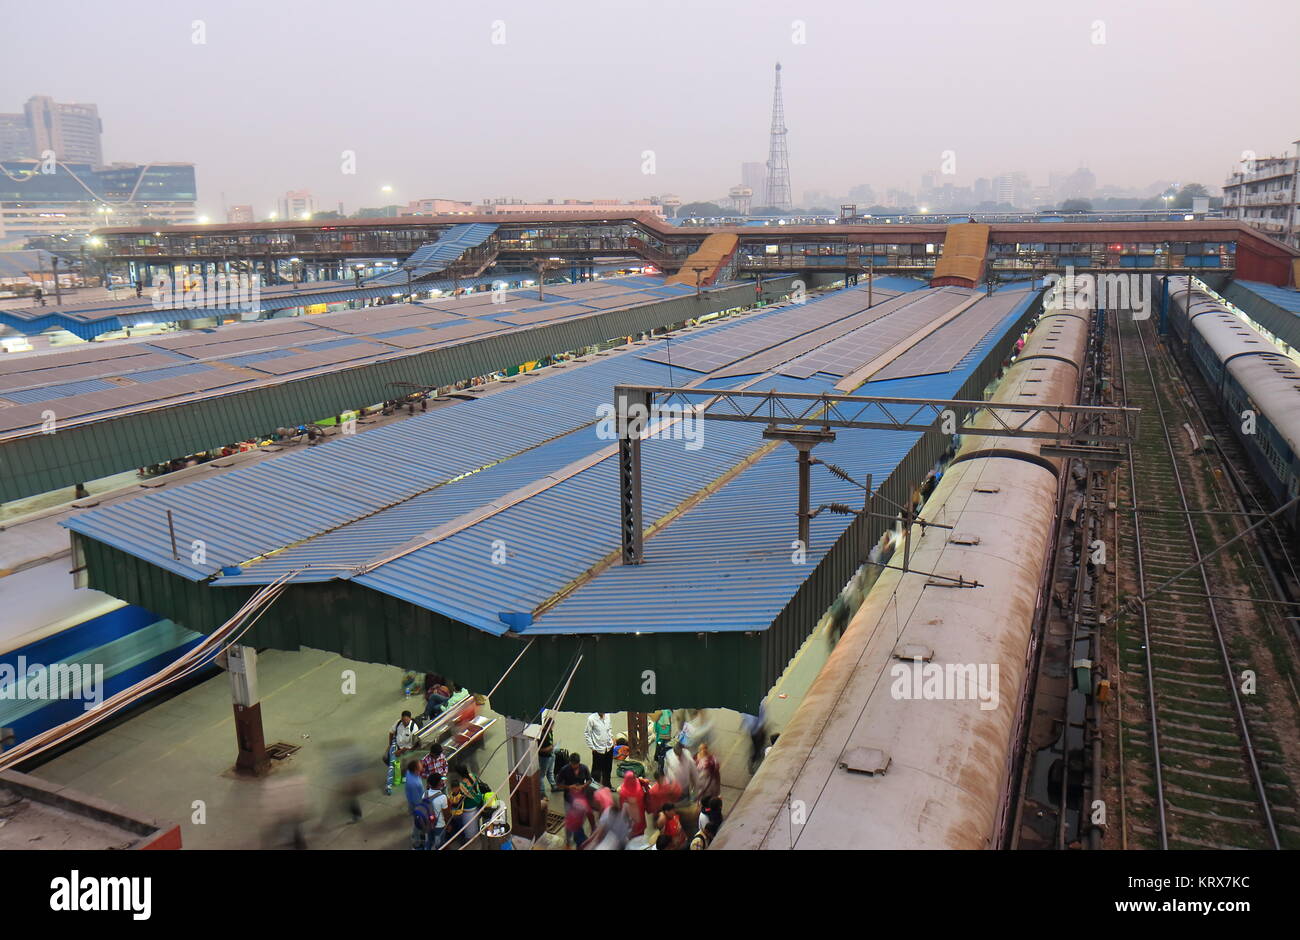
[(62, 650), (1256, 383)]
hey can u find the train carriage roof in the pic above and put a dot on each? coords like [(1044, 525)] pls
[(1273, 382)]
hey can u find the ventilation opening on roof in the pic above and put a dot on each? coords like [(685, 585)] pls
[(913, 652), (865, 760), (987, 488), (964, 538)]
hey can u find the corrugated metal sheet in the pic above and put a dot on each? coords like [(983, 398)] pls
[(311, 491), (723, 565), (39, 462), (1276, 309)]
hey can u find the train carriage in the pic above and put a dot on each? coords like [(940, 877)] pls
[(1257, 386)]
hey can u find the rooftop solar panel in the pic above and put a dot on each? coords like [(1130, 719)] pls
[(67, 373), (446, 334), (237, 333), (321, 357), (546, 314), (611, 301), (848, 353), (99, 353), (947, 346), (713, 351), (806, 342)]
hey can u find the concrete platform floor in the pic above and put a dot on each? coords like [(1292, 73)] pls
[(175, 761)]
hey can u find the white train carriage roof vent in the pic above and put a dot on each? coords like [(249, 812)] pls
[(987, 488), (871, 761), (912, 652), (964, 538)]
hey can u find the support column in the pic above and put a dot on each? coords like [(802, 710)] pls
[(527, 817), (633, 415), (252, 759), (638, 734)]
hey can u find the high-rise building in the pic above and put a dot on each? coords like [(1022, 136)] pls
[(1081, 184), (239, 214), (72, 131), (754, 175), (1014, 189), (1265, 194), (862, 194), (296, 205)]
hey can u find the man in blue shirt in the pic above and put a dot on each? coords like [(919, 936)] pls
[(414, 800)]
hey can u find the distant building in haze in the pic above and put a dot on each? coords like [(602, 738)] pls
[(570, 207), (437, 207), (239, 214), (71, 131), (1265, 194), (296, 205), (754, 175)]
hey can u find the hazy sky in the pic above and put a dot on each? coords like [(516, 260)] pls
[(568, 102)]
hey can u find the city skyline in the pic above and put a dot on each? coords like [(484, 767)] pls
[(614, 144)]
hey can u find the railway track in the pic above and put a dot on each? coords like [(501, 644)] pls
[(1204, 764), (1272, 563)]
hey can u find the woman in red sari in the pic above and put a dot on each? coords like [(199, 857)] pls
[(632, 799)]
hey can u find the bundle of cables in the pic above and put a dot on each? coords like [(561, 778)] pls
[(228, 634)]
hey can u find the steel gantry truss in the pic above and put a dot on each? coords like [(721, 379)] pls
[(806, 419)]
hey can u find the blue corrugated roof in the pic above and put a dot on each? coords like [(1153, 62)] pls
[(50, 393), (312, 491), (1284, 297), (724, 564)]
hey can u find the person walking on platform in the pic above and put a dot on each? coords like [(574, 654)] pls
[(415, 804), (439, 811), (680, 767), (663, 736), (600, 738), (546, 756), (710, 775)]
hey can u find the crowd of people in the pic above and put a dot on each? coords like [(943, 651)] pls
[(678, 806), (612, 800), (448, 802)]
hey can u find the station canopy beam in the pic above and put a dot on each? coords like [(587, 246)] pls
[(1081, 427)]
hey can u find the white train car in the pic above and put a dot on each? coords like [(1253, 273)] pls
[(890, 752)]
